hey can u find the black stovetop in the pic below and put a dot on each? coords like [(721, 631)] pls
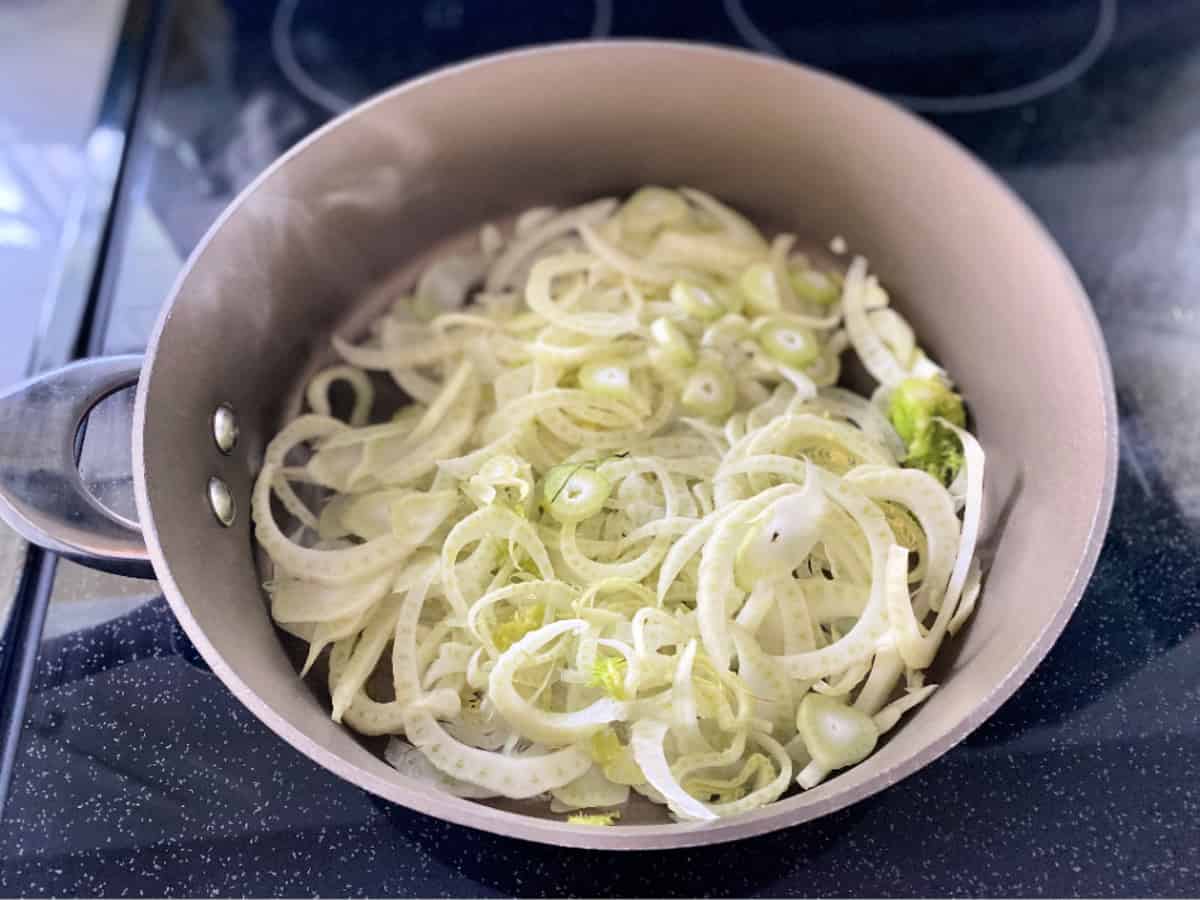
[(136, 772)]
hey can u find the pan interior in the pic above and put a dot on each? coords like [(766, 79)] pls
[(389, 398)]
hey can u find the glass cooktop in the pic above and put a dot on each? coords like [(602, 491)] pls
[(135, 772)]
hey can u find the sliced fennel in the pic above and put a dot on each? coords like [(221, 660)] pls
[(627, 536)]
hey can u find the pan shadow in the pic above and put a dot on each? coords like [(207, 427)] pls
[(757, 866)]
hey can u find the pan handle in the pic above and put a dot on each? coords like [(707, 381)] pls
[(42, 495)]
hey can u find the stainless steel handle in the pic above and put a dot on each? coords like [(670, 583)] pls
[(42, 495)]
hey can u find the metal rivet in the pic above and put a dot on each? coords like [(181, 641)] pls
[(225, 428), (221, 500)]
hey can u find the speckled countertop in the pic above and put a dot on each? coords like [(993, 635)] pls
[(138, 773)]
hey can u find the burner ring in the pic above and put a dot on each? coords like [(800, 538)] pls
[(1101, 37), (308, 87)]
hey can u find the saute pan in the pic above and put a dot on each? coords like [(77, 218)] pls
[(296, 256)]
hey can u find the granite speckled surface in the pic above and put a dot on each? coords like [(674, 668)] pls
[(1084, 783), (138, 774)]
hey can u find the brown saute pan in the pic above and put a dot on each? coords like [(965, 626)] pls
[(294, 258)]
